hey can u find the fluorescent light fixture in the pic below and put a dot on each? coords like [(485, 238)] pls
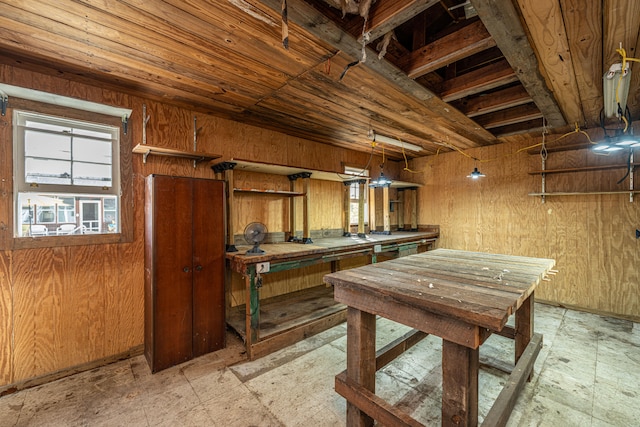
[(616, 83), (475, 174), (617, 143), (373, 136)]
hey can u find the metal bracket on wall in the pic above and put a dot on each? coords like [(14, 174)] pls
[(4, 101)]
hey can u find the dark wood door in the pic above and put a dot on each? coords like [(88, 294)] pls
[(208, 266), (184, 269)]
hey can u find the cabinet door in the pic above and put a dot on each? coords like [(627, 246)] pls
[(208, 266), (169, 271)]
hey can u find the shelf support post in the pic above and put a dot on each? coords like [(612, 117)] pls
[(414, 209), (346, 208), (372, 212), (306, 207), (401, 209), (227, 168), (293, 211), (631, 176), (361, 187), (386, 216)]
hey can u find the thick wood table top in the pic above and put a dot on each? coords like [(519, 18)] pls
[(275, 252), (477, 288)]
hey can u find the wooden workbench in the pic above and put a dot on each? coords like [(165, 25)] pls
[(462, 297), (269, 325)]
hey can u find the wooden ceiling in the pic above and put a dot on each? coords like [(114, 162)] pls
[(455, 73)]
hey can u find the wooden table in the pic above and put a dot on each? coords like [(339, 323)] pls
[(288, 256), (462, 297)]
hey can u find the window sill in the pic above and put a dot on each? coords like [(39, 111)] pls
[(60, 241)]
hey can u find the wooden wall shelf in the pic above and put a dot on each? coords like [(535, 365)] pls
[(269, 192), (583, 193), (582, 169), (629, 166), (197, 156)]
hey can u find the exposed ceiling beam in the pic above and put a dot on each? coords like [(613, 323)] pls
[(510, 116), (503, 23), (489, 77), (384, 16), (458, 125), (529, 127), (542, 19), (465, 42), (583, 22), (496, 101)]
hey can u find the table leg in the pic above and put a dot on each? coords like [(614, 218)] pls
[(459, 385), (361, 359), (252, 313), (524, 328)]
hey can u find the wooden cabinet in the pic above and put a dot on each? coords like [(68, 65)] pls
[(184, 269)]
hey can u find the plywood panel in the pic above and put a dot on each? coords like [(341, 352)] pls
[(65, 307), (6, 319), (592, 237)]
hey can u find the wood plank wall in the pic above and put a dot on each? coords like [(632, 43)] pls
[(592, 237), (65, 307)]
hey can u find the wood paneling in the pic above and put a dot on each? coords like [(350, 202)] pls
[(6, 319), (592, 237), (66, 307)]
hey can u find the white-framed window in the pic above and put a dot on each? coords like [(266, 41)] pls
[(354, 194), (66, 176)]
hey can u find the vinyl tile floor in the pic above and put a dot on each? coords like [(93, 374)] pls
[(587, 374)]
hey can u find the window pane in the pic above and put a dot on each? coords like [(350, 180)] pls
[(45, 214), (65, 158), (91, 174), (91, 150), (93, 133), (46, 126), (66, 214), (67, 210), (45, 171), (46, 145)]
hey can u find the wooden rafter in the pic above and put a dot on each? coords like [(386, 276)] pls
[(489, 77), (456, 125), (467, 41), (510, 116), (384, 16), (503, 23), (496, 101), (530, 126), (582, 21), (543, 18)]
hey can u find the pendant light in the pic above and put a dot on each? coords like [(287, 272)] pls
[(475, 173)]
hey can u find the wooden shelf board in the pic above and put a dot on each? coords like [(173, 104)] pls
[(273, 192), (249, 166), (583, 193), (146, 149), (582, 169)]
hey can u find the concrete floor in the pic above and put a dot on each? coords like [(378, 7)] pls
[(587, 374)]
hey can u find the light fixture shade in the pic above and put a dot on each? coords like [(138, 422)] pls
[(373, 136), (475, 174), (381, 181), (615, 88)]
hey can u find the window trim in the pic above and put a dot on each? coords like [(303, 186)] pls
[(7, 203), (363, 173)]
